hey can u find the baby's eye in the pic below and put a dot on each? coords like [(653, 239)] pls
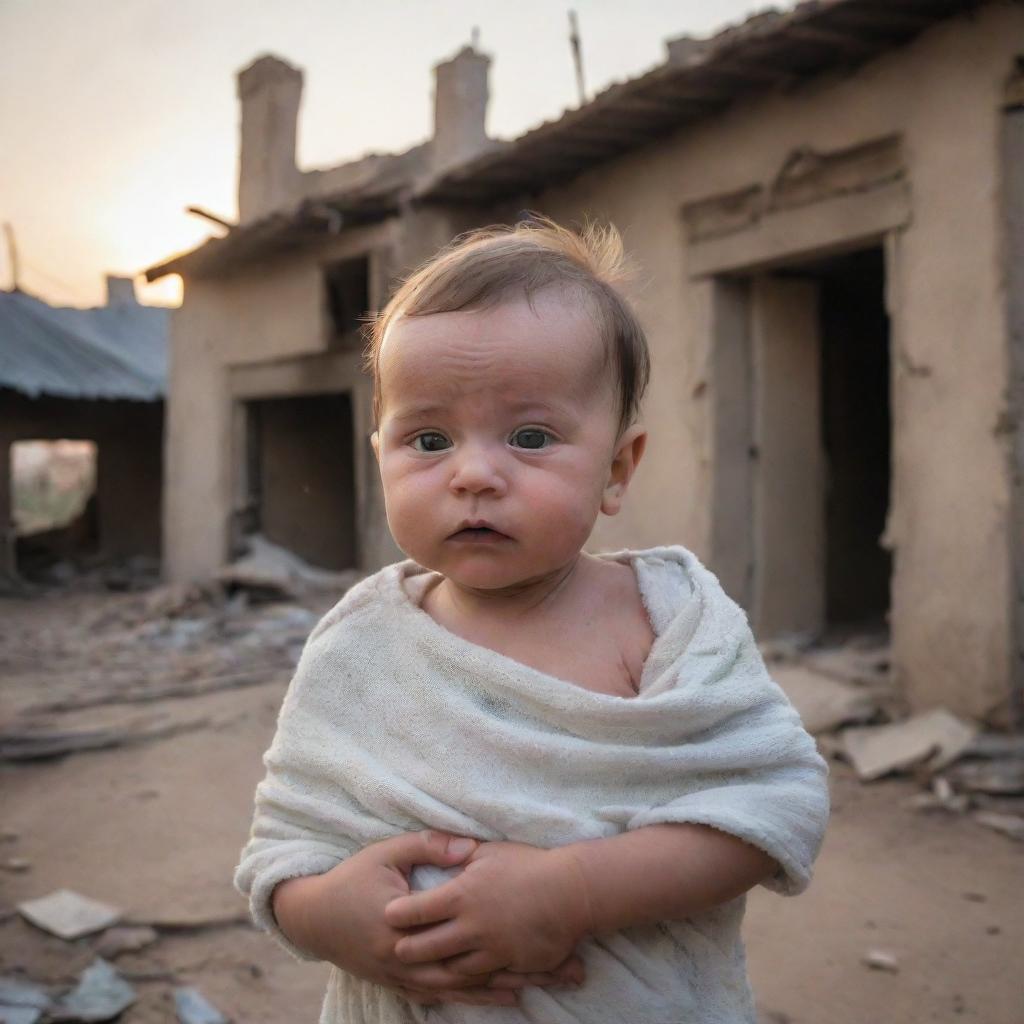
[(430, 441), (530, 438)]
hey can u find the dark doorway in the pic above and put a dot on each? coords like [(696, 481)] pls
[(856, 433), (301, 478)]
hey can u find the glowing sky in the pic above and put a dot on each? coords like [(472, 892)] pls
[(116, 114)]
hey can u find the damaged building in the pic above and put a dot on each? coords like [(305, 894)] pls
[(81, 432), (827, 207)]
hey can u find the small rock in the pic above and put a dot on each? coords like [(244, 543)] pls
[(116, 941), (17, 994), (9, 836), (993, 929), (975, 897), (101, 994), (996, 777), (68, 915), (879, 960), (192, 1007), (18, 865)]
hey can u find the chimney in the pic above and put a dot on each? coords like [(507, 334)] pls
[(121, 291), (270, 91), (686, 49), (460, 108)]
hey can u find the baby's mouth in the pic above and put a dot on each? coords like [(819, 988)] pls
[(479, 534)]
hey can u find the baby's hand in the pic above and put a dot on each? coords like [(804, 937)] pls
[(513, 907), (339, 917)]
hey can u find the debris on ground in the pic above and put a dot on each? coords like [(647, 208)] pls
[(1011, 825), (18, 865), (125, 939), (271, 571), (68, 915), (192, 1007), (934, 737), (880, 960), (995, 777), (41, 746), (100, 995), (823, 703), (941, 797), (22, 1002)]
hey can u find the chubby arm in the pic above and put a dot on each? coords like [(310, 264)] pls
[(523, 908), (662, 873)]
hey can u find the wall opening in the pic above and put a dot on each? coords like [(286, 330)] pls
[(53, 503), (347, 297), (300, 477), (856, 434), (853, 414)]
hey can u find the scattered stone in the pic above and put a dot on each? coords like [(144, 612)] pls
[(19, 865), (274, 572), (936, 737), (101, 994), (129, 939), (996, 777), (864, 661), (879, 960), (9, 836), (21, 1002), (993, 929), (1011, 825), (823, 703), (192, 1007), (19, 1014), (975, 897), (941, 798), (68, 915), (147, 794), (996, 745)]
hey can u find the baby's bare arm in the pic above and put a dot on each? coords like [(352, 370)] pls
[(520, 907), (663, 873)]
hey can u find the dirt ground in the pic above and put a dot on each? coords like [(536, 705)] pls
[(154, 826)]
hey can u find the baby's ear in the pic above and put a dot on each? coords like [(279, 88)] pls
[(628, 452), (375, 444)]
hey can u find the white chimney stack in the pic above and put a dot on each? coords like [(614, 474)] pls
[(460, 108), (270, 92)]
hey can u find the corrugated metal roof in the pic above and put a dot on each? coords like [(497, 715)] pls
[(768, 52), (115, 352)]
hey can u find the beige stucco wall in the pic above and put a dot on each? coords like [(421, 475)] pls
[(268, 314), (948, 521)]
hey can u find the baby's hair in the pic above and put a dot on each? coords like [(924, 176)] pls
[(490, 265)]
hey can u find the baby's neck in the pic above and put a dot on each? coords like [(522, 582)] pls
[(521, 600)]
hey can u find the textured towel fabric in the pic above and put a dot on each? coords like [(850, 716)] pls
[(392, 723)]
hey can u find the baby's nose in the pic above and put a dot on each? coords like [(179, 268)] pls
[(477, 470)]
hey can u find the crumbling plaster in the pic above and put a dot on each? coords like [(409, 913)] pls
[(948, 523)]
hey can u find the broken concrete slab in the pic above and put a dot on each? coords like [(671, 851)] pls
[(69, 915), (824, 703), (192, 1007), (941, 798), (997, 745), (274, 571), (130, 939), (100, 995), (936, 737)]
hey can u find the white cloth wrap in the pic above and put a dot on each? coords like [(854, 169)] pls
[(392, 723)]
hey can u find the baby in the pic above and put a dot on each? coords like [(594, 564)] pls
[(513, 781)]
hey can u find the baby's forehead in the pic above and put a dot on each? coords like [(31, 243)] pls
[(548, 335)]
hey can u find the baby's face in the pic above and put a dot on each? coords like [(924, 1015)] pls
[(497, 438)]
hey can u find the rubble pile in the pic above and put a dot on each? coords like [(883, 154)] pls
[(847, 700)]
